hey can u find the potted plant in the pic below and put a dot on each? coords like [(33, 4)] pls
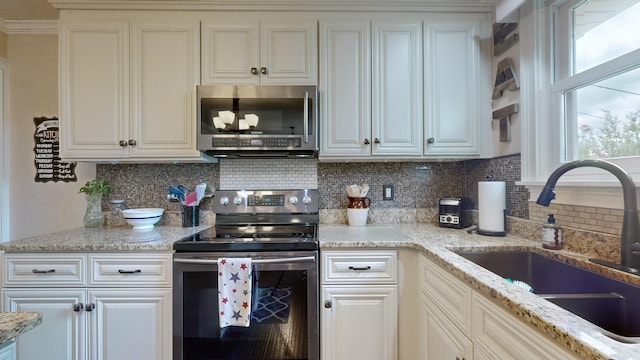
[(94, 190)]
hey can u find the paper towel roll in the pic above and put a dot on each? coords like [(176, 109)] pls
[(492, 203)]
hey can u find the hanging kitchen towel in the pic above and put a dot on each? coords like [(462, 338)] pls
[(234, 291)]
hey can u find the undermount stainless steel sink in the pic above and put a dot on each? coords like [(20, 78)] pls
[(610, 304)]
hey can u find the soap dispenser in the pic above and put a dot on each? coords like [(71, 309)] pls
[(551, 234)]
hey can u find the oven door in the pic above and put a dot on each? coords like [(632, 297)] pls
[(284, 320)]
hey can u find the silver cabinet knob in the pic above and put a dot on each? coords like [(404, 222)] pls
[(254, 71), (431, 140), (263, 70), (132, 142), (376, 140), (78, 307), (123, 143), (90, 307), (327, 304), (366, 142)]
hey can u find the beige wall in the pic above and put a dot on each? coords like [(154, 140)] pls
[(36, 208), (3, 45)]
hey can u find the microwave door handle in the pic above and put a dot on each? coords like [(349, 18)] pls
[(306, 116), (256, 261)]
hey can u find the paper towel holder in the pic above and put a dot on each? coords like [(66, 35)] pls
[(495, 233), (499, 230)]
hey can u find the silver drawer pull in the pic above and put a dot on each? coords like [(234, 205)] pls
[(36, 271), (129, 271), (359, 268)]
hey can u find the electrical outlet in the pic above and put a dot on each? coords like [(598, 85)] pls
[(387, 192)]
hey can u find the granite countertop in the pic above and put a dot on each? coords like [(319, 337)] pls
[(13, 324), (439, 244), (160, 238)]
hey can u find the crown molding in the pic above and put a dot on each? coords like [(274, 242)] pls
[(30, 27), (278, 5)]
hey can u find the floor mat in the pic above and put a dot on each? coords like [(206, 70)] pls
[(273, 305)]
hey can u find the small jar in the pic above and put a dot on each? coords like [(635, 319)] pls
[(115, 215)]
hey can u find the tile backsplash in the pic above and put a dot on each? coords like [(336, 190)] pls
[(236, 174), (418, 186)]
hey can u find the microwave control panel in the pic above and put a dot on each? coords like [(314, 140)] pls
[(271, 142)]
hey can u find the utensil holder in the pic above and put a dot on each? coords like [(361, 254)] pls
[(190, 216), (357, 217)]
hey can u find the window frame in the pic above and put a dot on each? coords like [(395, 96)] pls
[(542, 103)]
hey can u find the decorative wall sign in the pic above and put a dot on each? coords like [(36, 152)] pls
[(504, 115), (501, 38), (47, 153), (506, 78)]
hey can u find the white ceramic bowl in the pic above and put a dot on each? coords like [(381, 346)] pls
[(142, 218)]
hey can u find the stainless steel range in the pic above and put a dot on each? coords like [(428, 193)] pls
[(277, 229)]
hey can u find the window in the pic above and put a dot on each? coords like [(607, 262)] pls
[(597, 78), (579, 66)]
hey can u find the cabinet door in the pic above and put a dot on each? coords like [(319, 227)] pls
[(345, 62), (397, 88), (230, 52), (359, 322), (497, 334), (131, 324), (8, 350), (94, 88), (439, 337), (288, 52), (62, 334), (454, 101), (166, 68)]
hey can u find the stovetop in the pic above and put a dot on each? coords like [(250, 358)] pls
[(251, 238), (259, 220)]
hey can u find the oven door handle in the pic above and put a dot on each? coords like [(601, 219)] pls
[(256, 261)]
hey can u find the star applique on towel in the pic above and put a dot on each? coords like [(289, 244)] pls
[(234, 291)]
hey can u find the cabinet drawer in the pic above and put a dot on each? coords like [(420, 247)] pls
[(44, 269), (130, 270), (360, 267)]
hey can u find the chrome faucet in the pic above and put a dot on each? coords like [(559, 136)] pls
[(629, 246)]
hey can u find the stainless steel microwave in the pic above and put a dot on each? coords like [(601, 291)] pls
[(257, 121)]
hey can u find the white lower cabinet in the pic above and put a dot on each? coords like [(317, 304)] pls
[(359, 315), (441, 339), (8, 350), (459, 323), (117, 308), (497, 335)]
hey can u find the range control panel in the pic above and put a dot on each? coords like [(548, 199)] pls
[(266, 201)]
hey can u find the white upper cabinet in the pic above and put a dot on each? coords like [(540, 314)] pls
[(246, 50), (397, 88), (165, 71), (405, 88), (94, 87), (371, 86), (127, 87), (345, 85), (457, 104)]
